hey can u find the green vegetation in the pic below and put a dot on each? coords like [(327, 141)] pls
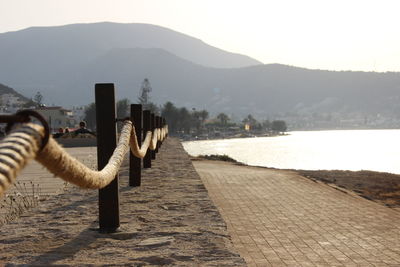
[(218, 157), (181, 120), (279, 126), (38, 99), (194, 123), (197, 124), (123, 108), (90, 116)]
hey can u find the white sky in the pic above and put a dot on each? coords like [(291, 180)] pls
[(317, 34)]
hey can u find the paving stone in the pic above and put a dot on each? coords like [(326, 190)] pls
[(310, 223)]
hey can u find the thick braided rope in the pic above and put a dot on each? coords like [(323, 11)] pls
[(61, 164), (23, 143), (140, 152), (16, 149), (154, 139), (150, 142)]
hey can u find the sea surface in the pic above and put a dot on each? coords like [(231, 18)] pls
[(376, 150)]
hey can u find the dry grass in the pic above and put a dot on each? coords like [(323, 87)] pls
[(23, 197)]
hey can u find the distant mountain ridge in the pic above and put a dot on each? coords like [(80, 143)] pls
[(80, 42), (262, 89), (40, 58), (65, 62)]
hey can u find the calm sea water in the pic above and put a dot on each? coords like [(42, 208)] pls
[(377, 150)]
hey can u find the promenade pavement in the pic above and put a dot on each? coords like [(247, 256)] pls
[(278, 218), (168, 221), (35, 180), (49, 185)]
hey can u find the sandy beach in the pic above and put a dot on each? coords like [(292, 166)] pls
[(169, 220)]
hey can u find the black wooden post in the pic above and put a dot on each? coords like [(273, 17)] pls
[(106, 143), (135, 170), (146, 128), (164, 124), (160, 125), (153, 126), (157, 125)]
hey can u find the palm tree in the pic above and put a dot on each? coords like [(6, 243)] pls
[(223, 118)]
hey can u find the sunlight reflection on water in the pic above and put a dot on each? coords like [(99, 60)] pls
[(377, 150)]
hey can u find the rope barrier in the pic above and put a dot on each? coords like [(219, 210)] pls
[(153, 143), (24, 143), (16, 150), (140, 152)]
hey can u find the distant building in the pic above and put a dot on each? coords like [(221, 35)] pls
[(57, 117), (11, 100), (10, 103)]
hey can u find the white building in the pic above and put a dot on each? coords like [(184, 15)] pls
[(57, 117)]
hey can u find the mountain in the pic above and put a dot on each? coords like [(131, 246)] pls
[(8, 90), (64, 63), (48, 53), (40, 58), (261, 90)]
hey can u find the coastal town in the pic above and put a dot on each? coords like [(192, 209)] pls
[(57, 117)]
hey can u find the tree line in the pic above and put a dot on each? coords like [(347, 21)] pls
[(184, 121), (181, 120)]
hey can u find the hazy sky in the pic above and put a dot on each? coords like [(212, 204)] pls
[(318, 34)]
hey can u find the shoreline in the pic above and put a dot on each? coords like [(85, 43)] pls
[(282, 134), (232, 137)]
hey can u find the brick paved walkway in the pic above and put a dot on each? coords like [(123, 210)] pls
[(49, 185), (278, 218)]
